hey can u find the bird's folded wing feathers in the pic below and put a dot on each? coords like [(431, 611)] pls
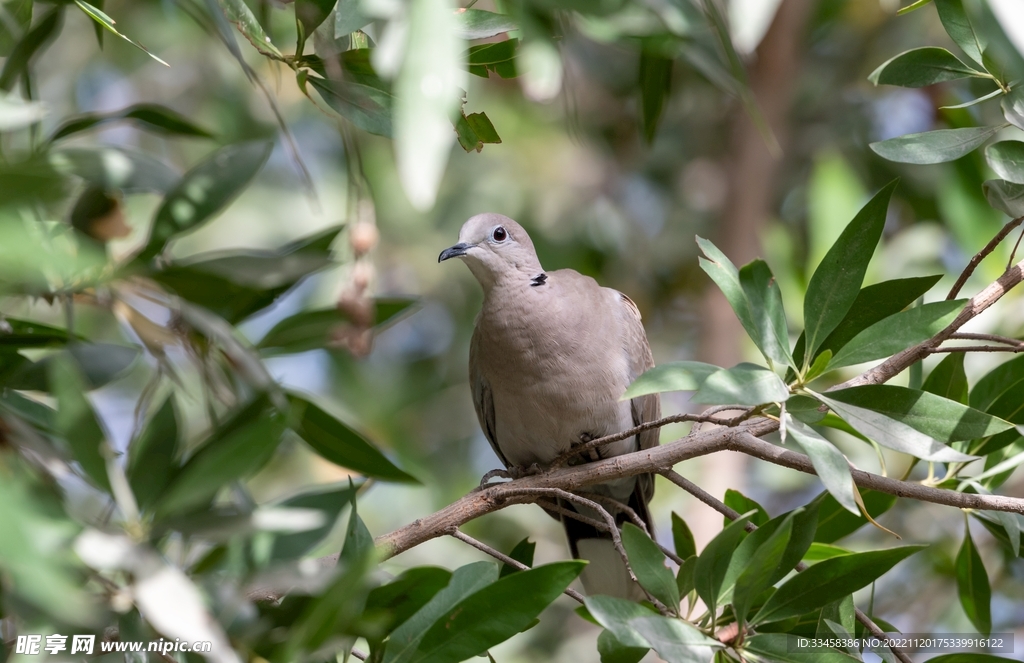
[(639, 360), (483, 400)]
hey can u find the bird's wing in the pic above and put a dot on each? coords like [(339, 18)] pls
[(639, 360), (483, 399)]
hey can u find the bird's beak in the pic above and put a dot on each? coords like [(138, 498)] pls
[(456, 251)]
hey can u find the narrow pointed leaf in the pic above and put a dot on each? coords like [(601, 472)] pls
[(973, 586), (714, 562), (948, 378), (108, 23), (153, 117), (961, 29), (936, 146), (743, 384), (835, 522), (76, 421), (152, 457), (522, 553), (760, 570), (829, 463), (673, 376), (616, 615), (648, 564), (675, 640), (330, 503), (920, 67), (779, 648), (480, 24), (766, 312), (682, 538)]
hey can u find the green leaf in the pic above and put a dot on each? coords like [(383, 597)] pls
[(108, 23), (835, 522), (740, 503), (367, 107), (310, 330), (873, 303), (685, 577), (912, 7), (407, 593), (311, 13), (959, 27), (616, 615), (30, 334), (348, 17), (474, 130), (675, 640), (805, 408), (34, 40), (480, 24), (1001, 380), (330, 613), (972, 585), (152, 456), (725, 275), (920, 67), (613, 651), (522, 553), (760, 570), (897, 333), (469, 629), (358, 540), (205, 191), (1013, 106), (781, 648), (941, 418), (648, 564), (819, 551), (76, 421), (153, 117), (329, 502), (499, 57), (1004, 196), (828, 581), (115, 168), (673, 376), (465, 581), (682, 538), (238, 13), (948, 378), (1004, 527), (340, 444), (19, 17), (743, 384), (1007, 158), (835, 284), (655, 87), (766, 312), (891, 433), (842, 613), (934, 146), (237, 449), (714, 562), (829, 463)]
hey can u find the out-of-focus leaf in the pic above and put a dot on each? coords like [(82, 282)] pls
[(152, 456), (1004, 527), (238, 448), (348, 17), (941, 418), (829, 463), (972, 585), (367, 107), (326, 501), (229, 300), (897, 332), (341, 445), (469, 629), (743, 384), (760, 569), (34, 40), (648, 564), (920, 67), (18, 113), (616, 615), (828, 581), (836, 282), (474, 130), (1004, 196), (153, 117), (108, 23), (835, 522), (777, 647), (673, 376), (873, 303), (115, 168), (613, 651), (480, 24), (1007, 158), (522, 553), (740, 503), (948, 378), (28, 334), (19, 16), (714, 562), (34, 412), (682, 538), (766, 312), (76, 420), (894, 434), (1013, 106), (311, 329), (204, 191), (499, 57), (465, 581), (960, 28), (655, 88), (675, 640), (407, 593), (311, 13), (358, 540), (237, 12), (936, 146)]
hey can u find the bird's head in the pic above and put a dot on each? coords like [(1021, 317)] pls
[(495, 247)]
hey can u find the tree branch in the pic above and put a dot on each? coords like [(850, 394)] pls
[(981, 255)]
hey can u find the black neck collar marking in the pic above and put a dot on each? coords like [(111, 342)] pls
[(540, 279)]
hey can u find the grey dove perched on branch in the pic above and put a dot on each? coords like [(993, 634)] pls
[(551, 356)]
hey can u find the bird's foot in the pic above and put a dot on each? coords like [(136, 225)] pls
[(585, 456), (512, 473)]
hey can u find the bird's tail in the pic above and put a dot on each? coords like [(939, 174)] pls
[(606, 573)]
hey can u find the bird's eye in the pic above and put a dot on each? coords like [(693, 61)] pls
[(499, 234)]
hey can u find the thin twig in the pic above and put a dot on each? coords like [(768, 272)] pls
[(981, 255), (994, 338), (501, 557), (1013, 253), (361, 655), (636, 519), (977, 348)]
